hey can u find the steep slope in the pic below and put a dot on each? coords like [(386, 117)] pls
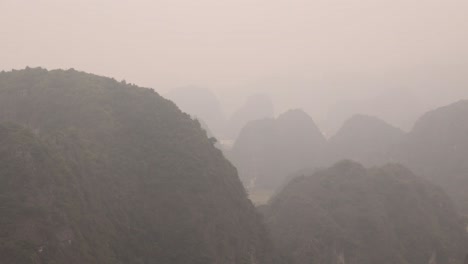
[(349, 214), (437, 147), (153, 188), (365, 139), (202, 104), (268, 150)]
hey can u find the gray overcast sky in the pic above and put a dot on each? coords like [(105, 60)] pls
[(313, 54)]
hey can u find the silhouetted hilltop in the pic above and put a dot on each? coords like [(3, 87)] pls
[(132, 180), (365, 139), (437, 148), (349, 214), (256, 107), (268, 150)]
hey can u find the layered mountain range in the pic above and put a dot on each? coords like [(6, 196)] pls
[(436, 148)]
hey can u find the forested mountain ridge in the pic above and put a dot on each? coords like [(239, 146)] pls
[(149, 184), (350, 214)]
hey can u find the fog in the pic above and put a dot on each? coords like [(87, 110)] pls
[(280, 132), (391, 58)]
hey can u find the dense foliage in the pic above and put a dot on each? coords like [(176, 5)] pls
[(130, 178), (36, 202), (349, 214)]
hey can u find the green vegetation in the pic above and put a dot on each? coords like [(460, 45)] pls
[(349, 214), (100, 171)]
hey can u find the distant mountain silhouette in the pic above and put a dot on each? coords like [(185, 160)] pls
[(365, 139), (397, 106), (353, 215), (202, 104), (437, 148), (267, 150), (256, 107), (100, 171)]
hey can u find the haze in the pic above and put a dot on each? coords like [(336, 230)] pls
[(395, 59), (234, 131)]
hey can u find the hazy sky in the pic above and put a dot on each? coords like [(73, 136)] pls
[(313, 54)]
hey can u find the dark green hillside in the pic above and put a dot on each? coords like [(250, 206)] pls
[(41, 218), (150, 186), (353, 215)]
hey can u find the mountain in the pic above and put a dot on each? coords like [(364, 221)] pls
[(256, 107), (100, 171), (396, 105), (437, 147), (202, 104), (268, 150), (365, 139), (37, 197), (350, 214)]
